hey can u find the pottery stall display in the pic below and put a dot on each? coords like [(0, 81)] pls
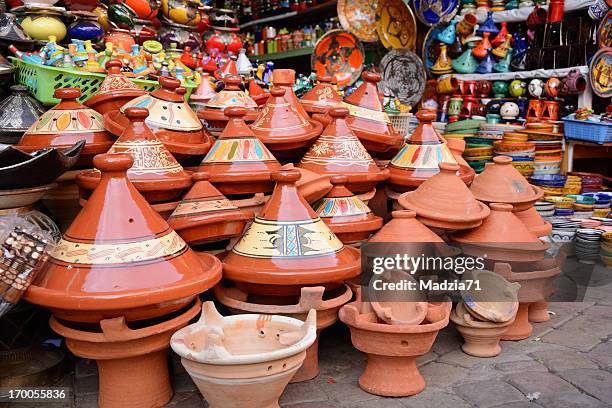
[(244, 360), (321, 97), (204, 93), (230, 96), (18, 112)]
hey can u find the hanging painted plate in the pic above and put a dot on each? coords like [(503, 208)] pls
[(434, 12), (604, 34), (359, 18), (431, 47), (600, 73), (396, 25), (338, 54), (403, 76)]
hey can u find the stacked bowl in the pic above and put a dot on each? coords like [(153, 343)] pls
[(591, 182), (545, 209), (516, 146), (552, 184), (583, 206), (478, 151), (602, 203), (564, 206), (563, 229), (588, 244), (606, 249), (548, 148), (573, 185)]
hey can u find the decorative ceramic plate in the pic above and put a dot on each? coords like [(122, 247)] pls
[(396, 25), (600, 73), (431, 47), (338, 54), (434, 12), (403, 75), (604, 34), (359, 18)]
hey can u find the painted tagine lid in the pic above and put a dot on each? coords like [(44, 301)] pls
[(321, 97), (17, 113), (502, 237), (115, 91), (444, 201), (230, 96), (203, 94), (285, 79), (500, 182), (420, 157), (284, 126), (404, 227), (339, 151), (170, 118), (205, 215), (120, 258), (288, 246), (238, 162), (369, 121), (346, 215), (155, 172), (67, 123)]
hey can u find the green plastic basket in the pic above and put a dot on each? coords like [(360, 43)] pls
[(42, 81)]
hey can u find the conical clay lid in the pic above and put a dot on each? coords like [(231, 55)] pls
[(19, 104), (534, 222), (120, 258), (238, 162), (230, 96), (444, 201), (285, 79), (404, 227), (288, 246), (339, 152), (203, 94), (321, 97), (204, 214)]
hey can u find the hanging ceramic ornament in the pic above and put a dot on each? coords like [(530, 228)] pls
[(599, 73)]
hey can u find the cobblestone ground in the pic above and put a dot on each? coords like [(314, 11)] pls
[(567, 362)]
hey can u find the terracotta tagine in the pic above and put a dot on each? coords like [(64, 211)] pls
[(238, 162), (420, 157), (444, 201), (67, 123), (205, 214), (230, 96), (288, 246), (284, 128), (404, 227), (170, 119), (313, 186), (346, 215), (115, 91), (244, 360), (502, 237), (392, 349), (321, 97), (339, 152), (155, 173), (457, 147), (326, 303), (500, 182), (203, 94), (120, 258), (534, 222), (285, 79), (407, 308), (18, 112), (369, 121)]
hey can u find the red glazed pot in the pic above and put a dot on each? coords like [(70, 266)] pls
[(321, 97)]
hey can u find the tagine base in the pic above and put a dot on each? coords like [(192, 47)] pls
[(538, 312), (391, 376), (485, 344), (521, 328)]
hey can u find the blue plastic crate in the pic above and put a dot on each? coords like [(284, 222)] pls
[(587, 130)]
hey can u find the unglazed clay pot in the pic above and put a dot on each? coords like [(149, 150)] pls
[(120, 258), (155, 173), (67, 123), (339, 152), (534, 222), (538, 312), (392, 350), (238, 162), (457, 147), (132, 363), (170, 119), (284, 127), (288, 246), (321, 97), (444, 201), (244, 360), (346, 215), (408, 308), (116, 90), (421, 156), (326, 303), (205, 214), (230, 96), (404, 227), (500, 182)]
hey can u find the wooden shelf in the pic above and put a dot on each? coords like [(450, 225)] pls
[(298, 52), (319, 11)]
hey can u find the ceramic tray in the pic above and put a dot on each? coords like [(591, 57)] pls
[(338, 54), (359, 18), (403, 75), (396, 25), (600, 73)]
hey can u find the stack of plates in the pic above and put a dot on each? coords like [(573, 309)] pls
[(573, 185), (588, 244), (606, 249), (602, 204), (584, 205), (606, 222), (545, 209), (591, 182), (564, 206), (552, 184), (548, 150), (563, 229), (478, 151), (521, 151)]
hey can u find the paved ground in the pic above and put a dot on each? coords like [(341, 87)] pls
[(567, 362)]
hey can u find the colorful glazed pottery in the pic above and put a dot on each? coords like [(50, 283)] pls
[(338, 54), (396, 25), (18, 112), (181, 12), (230, 96), (443, 64), (321, 97), (42, 23), (403, 76), (358, 18), (432, 13), (204, 93)]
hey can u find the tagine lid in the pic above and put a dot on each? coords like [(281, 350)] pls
[(285, 78), (231, 95), (313, 186), (444, 201), (534, 222), (119, 255), (288, 244), (205, 214), (18, 105), (500, 182), (321, 97), (115, 86), (404, 227), (205, 90)]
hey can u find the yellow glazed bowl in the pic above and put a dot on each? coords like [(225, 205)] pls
[(561, 202), (41, 27)]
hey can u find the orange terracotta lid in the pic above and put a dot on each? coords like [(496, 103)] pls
[(500, 182), (368, 118), (346, 215), (321, 97), (257, 93), (285, 78), (288, 246), (534, 222), (67, 123), (204, 93), (155, 172), (205, 215), (238, 162), (339, 152), (457, 147), (444, 201), (115, 90), (404, 227), (120, 258), (313, 186)]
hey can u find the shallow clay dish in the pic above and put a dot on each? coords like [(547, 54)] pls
[(496, 301), (407, 308), (22, 197)]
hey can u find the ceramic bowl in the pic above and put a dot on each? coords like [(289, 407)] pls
[(552, 180), (562, 236), (561, 202), (23, 196), (583, 199)]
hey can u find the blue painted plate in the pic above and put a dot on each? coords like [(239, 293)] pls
[(434, 12)]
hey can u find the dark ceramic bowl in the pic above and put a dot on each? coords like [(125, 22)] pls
[(548, 180)]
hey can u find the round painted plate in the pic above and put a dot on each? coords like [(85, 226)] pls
[(359, 18), (604, 34), (431, 47), (434, 12), (600, 73), (403, 75), (396, 25), (338, 54)]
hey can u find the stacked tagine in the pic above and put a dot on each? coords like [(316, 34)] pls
[(230, 96), (321, 97)]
